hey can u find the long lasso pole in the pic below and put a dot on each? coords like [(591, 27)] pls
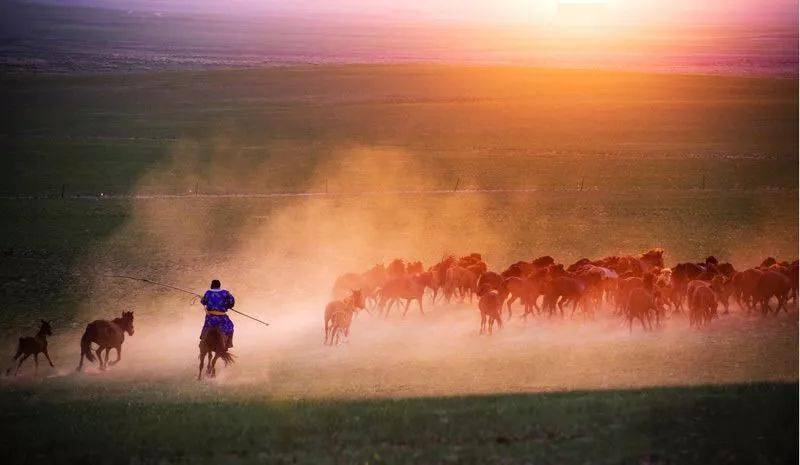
[(168, 286)]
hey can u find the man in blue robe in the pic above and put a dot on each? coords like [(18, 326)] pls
[(217, 302)]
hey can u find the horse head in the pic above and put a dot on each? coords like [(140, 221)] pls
[(127, 322), (45, 328)]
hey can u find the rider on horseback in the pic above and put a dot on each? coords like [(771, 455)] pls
[(217, 302)]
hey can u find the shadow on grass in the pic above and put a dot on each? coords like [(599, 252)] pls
[(752, 423)]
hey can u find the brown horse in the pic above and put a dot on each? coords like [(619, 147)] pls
[(33, 346), (340, 325), (526, 290), (214, 343), (459, 281), (702, 304), (339, 315), (107, 335), (405, 287), (641, 304), (773, 283), (491, 307)]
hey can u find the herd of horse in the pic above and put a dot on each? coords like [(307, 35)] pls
[(635, 287)]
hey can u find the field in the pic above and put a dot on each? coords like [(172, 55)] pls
[(410, 161)]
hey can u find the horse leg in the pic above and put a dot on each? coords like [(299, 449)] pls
[(99, 353), (208, 364), (483, 322), (22, 359), (508, 304), (214, 365), (108, 349), (408, 303), (119, 355), (388, 308), (202, 362), (47, 356), (419, 301), (36, 364)]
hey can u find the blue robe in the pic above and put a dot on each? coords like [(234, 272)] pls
[(218, 300)]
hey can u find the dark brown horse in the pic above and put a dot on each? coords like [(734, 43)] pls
[(213, 343), (33, 346), (107, 335)]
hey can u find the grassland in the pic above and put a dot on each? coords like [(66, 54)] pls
[(695, 164), (491, 127), (731, 424)]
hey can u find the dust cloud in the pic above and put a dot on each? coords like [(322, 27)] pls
[(280, 257)]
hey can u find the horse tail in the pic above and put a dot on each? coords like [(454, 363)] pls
[(227, 357), (86, 346)]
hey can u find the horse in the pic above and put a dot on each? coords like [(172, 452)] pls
[(107, 335), (745, 286), (214, 343), (773, 283), (405, 287), (702, 304), (340, 325), (35, 345), (491, 307), (339, 314), (461, 281), (563, 290), (525, 290), (640, 302)]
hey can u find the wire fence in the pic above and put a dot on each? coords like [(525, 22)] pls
[(67, 192)]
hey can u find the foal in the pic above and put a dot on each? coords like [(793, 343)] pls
[(33, 346), (339, 315)]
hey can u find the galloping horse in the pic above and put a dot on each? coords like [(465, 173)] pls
[(107, 335), (339, 315), (33, 346), (214, 343)]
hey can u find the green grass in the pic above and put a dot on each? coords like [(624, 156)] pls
[(489, 126), (52, 422)]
